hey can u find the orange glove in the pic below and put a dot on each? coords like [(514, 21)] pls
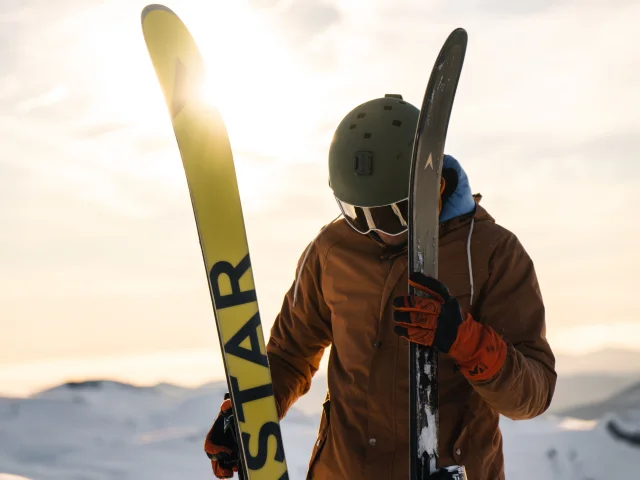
[(438, 320), (221, 445)]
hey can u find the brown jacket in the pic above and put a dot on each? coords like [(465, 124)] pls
[(343, 300)]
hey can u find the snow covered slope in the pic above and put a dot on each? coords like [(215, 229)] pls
[(554, 448), (109, 430)]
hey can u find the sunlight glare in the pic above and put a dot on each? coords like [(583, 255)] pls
[(252, 78), (255, 83), (582, 339)]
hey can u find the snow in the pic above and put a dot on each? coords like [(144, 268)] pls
[(109, 430), (564, 448)]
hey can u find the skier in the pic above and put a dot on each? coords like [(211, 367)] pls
[(485, 315)]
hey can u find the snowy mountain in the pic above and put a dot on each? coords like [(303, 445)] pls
[(109, 430), (576, 390), (620, 403)]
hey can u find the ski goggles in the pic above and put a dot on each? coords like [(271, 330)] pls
[(389, 219)]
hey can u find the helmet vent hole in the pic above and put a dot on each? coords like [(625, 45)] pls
[(352, 126), (361, 115), (388, 107), (367, 135), (396, 123)]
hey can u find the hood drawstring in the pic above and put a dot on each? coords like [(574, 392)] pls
[(304, 259), (469, 259)]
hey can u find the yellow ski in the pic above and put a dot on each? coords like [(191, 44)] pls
[(211, 178)]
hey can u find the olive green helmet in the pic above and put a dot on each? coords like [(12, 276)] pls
[(370, 154)]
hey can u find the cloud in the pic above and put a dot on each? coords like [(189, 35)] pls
[(307, 18), (48, 98), (101, 129), (502, 8)]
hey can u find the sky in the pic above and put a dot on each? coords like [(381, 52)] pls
[(100, 268)]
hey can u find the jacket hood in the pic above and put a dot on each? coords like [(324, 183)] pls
[(461, 201)]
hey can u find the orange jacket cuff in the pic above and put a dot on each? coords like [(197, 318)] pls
[(478, 351)]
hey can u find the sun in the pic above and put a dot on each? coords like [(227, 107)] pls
[(251, 77), (253, 80)]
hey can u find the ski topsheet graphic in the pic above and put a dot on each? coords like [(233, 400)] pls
[(424, 196), (211, 178)]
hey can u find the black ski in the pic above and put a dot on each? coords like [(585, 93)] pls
[(424, 194)]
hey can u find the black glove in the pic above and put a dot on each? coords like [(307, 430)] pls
[(429, 320), (221, 445)]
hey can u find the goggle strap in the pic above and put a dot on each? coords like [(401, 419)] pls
[(396, 210), (367, 214)]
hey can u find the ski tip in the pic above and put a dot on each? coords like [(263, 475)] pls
[(458, 37), (152, 8), (460, 34)]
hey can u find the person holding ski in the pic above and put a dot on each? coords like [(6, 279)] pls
[(484, 314)]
